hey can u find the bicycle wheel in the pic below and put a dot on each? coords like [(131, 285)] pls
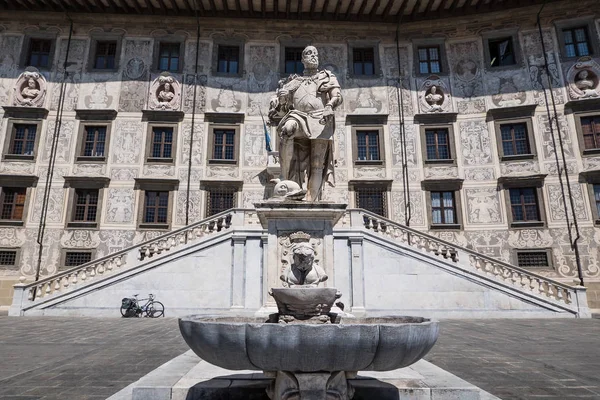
[(155, 310)]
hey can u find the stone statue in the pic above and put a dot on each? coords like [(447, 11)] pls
[(165, 93), (30, 89), (303, 270), (30, 92), (434, 99), (306, 104), (586, 85)]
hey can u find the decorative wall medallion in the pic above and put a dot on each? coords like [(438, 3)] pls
[(434, 95), (135, 68), (583, 79), (30, 89), (165, 93)]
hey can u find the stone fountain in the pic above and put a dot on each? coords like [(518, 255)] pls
[(310, 347)]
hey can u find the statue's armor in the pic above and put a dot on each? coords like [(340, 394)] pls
[(306, 98)]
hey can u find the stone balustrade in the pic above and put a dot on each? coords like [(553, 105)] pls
[(504, 273), (118, 261)]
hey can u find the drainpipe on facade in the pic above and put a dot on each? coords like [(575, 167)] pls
[(52, 159), (560, 169)]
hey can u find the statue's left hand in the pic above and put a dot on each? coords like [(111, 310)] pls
[(328, 111)]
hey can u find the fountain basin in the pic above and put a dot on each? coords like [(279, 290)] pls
[(304, 302), (357, 344)]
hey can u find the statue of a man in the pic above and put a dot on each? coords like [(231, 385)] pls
[(307, 127)]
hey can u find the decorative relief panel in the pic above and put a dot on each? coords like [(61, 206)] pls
[(221, 172), (262, 78), (18, 167), (336, 195), (226, 94), (184, 152), (72, 89), (441, 172), (159, 170), (124, 174), (341, 176), (112, 241), (128, 142), (556, 205), (55, 205), (100, 92), (30, 89), (529, 238), (475, 142), (546, 136), (490, 243), (89, 169), (411, 152), (479, 174), (79, 238), (249, 197), (190, 57), (136, 66), (407, 100), (196, 175), (390, 61), (417, 207), (12, 237), (483, 206), (253, 151), (537, 70), (256, 177), (165, 93), (195, 210), (364, 96), (508, 88), (591, 163), (120, 205), (287, 240), (9, 57), (188, 93), (369, 172), (467, 84), (63, 149), (519, 168), (334, 59), (551, 168), (50, 253), (413, 175), (340, 152), (434, 95), (458, 238)]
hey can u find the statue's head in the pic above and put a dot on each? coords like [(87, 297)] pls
[(583, 74), (167, 86), (310, 57), (304, 256), (433, 89), (31, 83)]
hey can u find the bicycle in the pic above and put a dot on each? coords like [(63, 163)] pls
[(130, 307)]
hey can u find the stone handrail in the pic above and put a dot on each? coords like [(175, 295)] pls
[(520, 278), (142, 251)]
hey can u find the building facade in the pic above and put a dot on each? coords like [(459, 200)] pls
[(448, 126)]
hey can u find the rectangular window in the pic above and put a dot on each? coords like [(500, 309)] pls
[(372, 199), (501, 52), (363, 61), (228, 59), (576, 42), (597, 197), (162, 142), (590, 128), (23, 139), (367, 145), (106, 53), (94, 141), (168, 57), (76, 258), (85, 205), (429, 60), (224, 144), (533, 259), (524, 204), (8, 257), (220, 199), (156, 207), (39, 53), (515, 140), (438, 144), (13, 203), (293, 60), (443, 208)]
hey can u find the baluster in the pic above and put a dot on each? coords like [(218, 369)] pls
[(30, 294), (147, 252), (569, 298), (39, 293), (57, 285), (489, 267), (65, 281), (497, 272), (74, 278), (549, 293), (119, 260), (535, 285), (525, 281), (211, 226), (47, 288), (83, 275), (228, 219), (92, 272), (559, 293), (101, 267), (506, 274), (454, 255)]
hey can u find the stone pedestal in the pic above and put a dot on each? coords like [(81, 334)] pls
[(285, 218)]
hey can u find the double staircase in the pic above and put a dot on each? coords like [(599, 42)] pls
[(219, 265)]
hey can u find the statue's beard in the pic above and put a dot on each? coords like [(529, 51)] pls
[(311, 65)]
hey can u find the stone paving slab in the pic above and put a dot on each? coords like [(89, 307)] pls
[(59, 358)]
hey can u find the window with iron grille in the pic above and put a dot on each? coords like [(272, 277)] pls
[(372, 199), (367, 145), (162, 142), (76, 258), (156, 207), (597, 198), (429, 60), (501, 52), (106, 53), (228, 59), (13, 203), (85, 205), (39, 53), (8, 257), (524, 204), (23, 139), (168, 57), (224, 144), (590, 128), (363, 61), (438, 144), (533, 259), (443, 208), (293, 60), (576, 42), (515, 140), (220, 199), (94, 141)]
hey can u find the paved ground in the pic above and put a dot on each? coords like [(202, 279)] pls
[(84, 358)]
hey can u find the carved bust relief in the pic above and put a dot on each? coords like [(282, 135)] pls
[(165, 93), (300, 259), (583, 79), (30, 89), (434, 95)]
